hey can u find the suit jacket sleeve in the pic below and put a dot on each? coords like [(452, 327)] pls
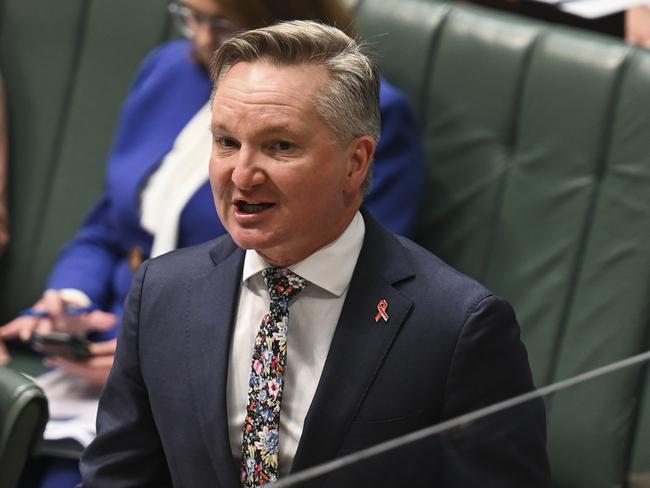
[(489, 365), (127, 450)]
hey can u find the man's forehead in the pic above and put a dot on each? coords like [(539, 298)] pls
[(281, 95), (263, 76)]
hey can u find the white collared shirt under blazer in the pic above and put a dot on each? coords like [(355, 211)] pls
[(314, 317)]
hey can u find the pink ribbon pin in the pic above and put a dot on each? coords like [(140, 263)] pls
[(381, 311)]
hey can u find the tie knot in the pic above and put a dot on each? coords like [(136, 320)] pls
[(283, 284)]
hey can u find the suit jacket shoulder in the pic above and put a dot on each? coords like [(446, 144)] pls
[(191, 262)]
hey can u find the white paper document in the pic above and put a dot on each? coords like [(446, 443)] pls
[(72, 402), (592, 9), (550, 2)]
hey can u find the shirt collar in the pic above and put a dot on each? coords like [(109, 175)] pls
[(329, 268)]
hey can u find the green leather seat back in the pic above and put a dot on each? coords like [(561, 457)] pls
[(537, 146), (376, 21), (548, 196), (23, 414), (608, 316), (68, 66)]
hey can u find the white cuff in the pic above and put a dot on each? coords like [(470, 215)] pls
[(75, 297)]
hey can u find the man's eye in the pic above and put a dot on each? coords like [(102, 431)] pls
[(283, 146), (226, 142)]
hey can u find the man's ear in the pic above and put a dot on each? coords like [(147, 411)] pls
[(360, 154)]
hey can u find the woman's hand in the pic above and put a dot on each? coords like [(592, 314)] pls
[(24, 326), (95, 369), (637, 26), (55, 317)]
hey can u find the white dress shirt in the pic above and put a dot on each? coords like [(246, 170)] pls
[(313, 316)]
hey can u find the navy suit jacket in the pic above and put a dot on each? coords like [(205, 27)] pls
[(448, 347)]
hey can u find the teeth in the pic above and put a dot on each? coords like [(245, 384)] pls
[(252, 207)]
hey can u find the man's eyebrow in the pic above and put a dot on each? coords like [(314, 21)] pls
[(274, 129), (270, 130), (218, 127)]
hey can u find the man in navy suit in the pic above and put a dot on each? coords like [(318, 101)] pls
[(309, 331)]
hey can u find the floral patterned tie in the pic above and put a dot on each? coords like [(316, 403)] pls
[(259, 465)]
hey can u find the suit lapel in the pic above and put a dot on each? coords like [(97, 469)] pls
[(359, 345), (210, 317)]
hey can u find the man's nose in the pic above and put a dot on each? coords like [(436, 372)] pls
[(246, 173)]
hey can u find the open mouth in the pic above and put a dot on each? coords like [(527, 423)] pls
[(252, 208)]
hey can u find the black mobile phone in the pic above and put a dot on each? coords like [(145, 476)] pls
[(61, 344)]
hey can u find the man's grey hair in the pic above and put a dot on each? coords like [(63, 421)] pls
[(349, 102)]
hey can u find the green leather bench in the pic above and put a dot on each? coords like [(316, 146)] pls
[(23, 414), (538, 146)]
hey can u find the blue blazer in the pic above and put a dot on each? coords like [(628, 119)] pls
[(448, 347), (167, 93)]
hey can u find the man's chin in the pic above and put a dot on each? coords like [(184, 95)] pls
[(250, 239)]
